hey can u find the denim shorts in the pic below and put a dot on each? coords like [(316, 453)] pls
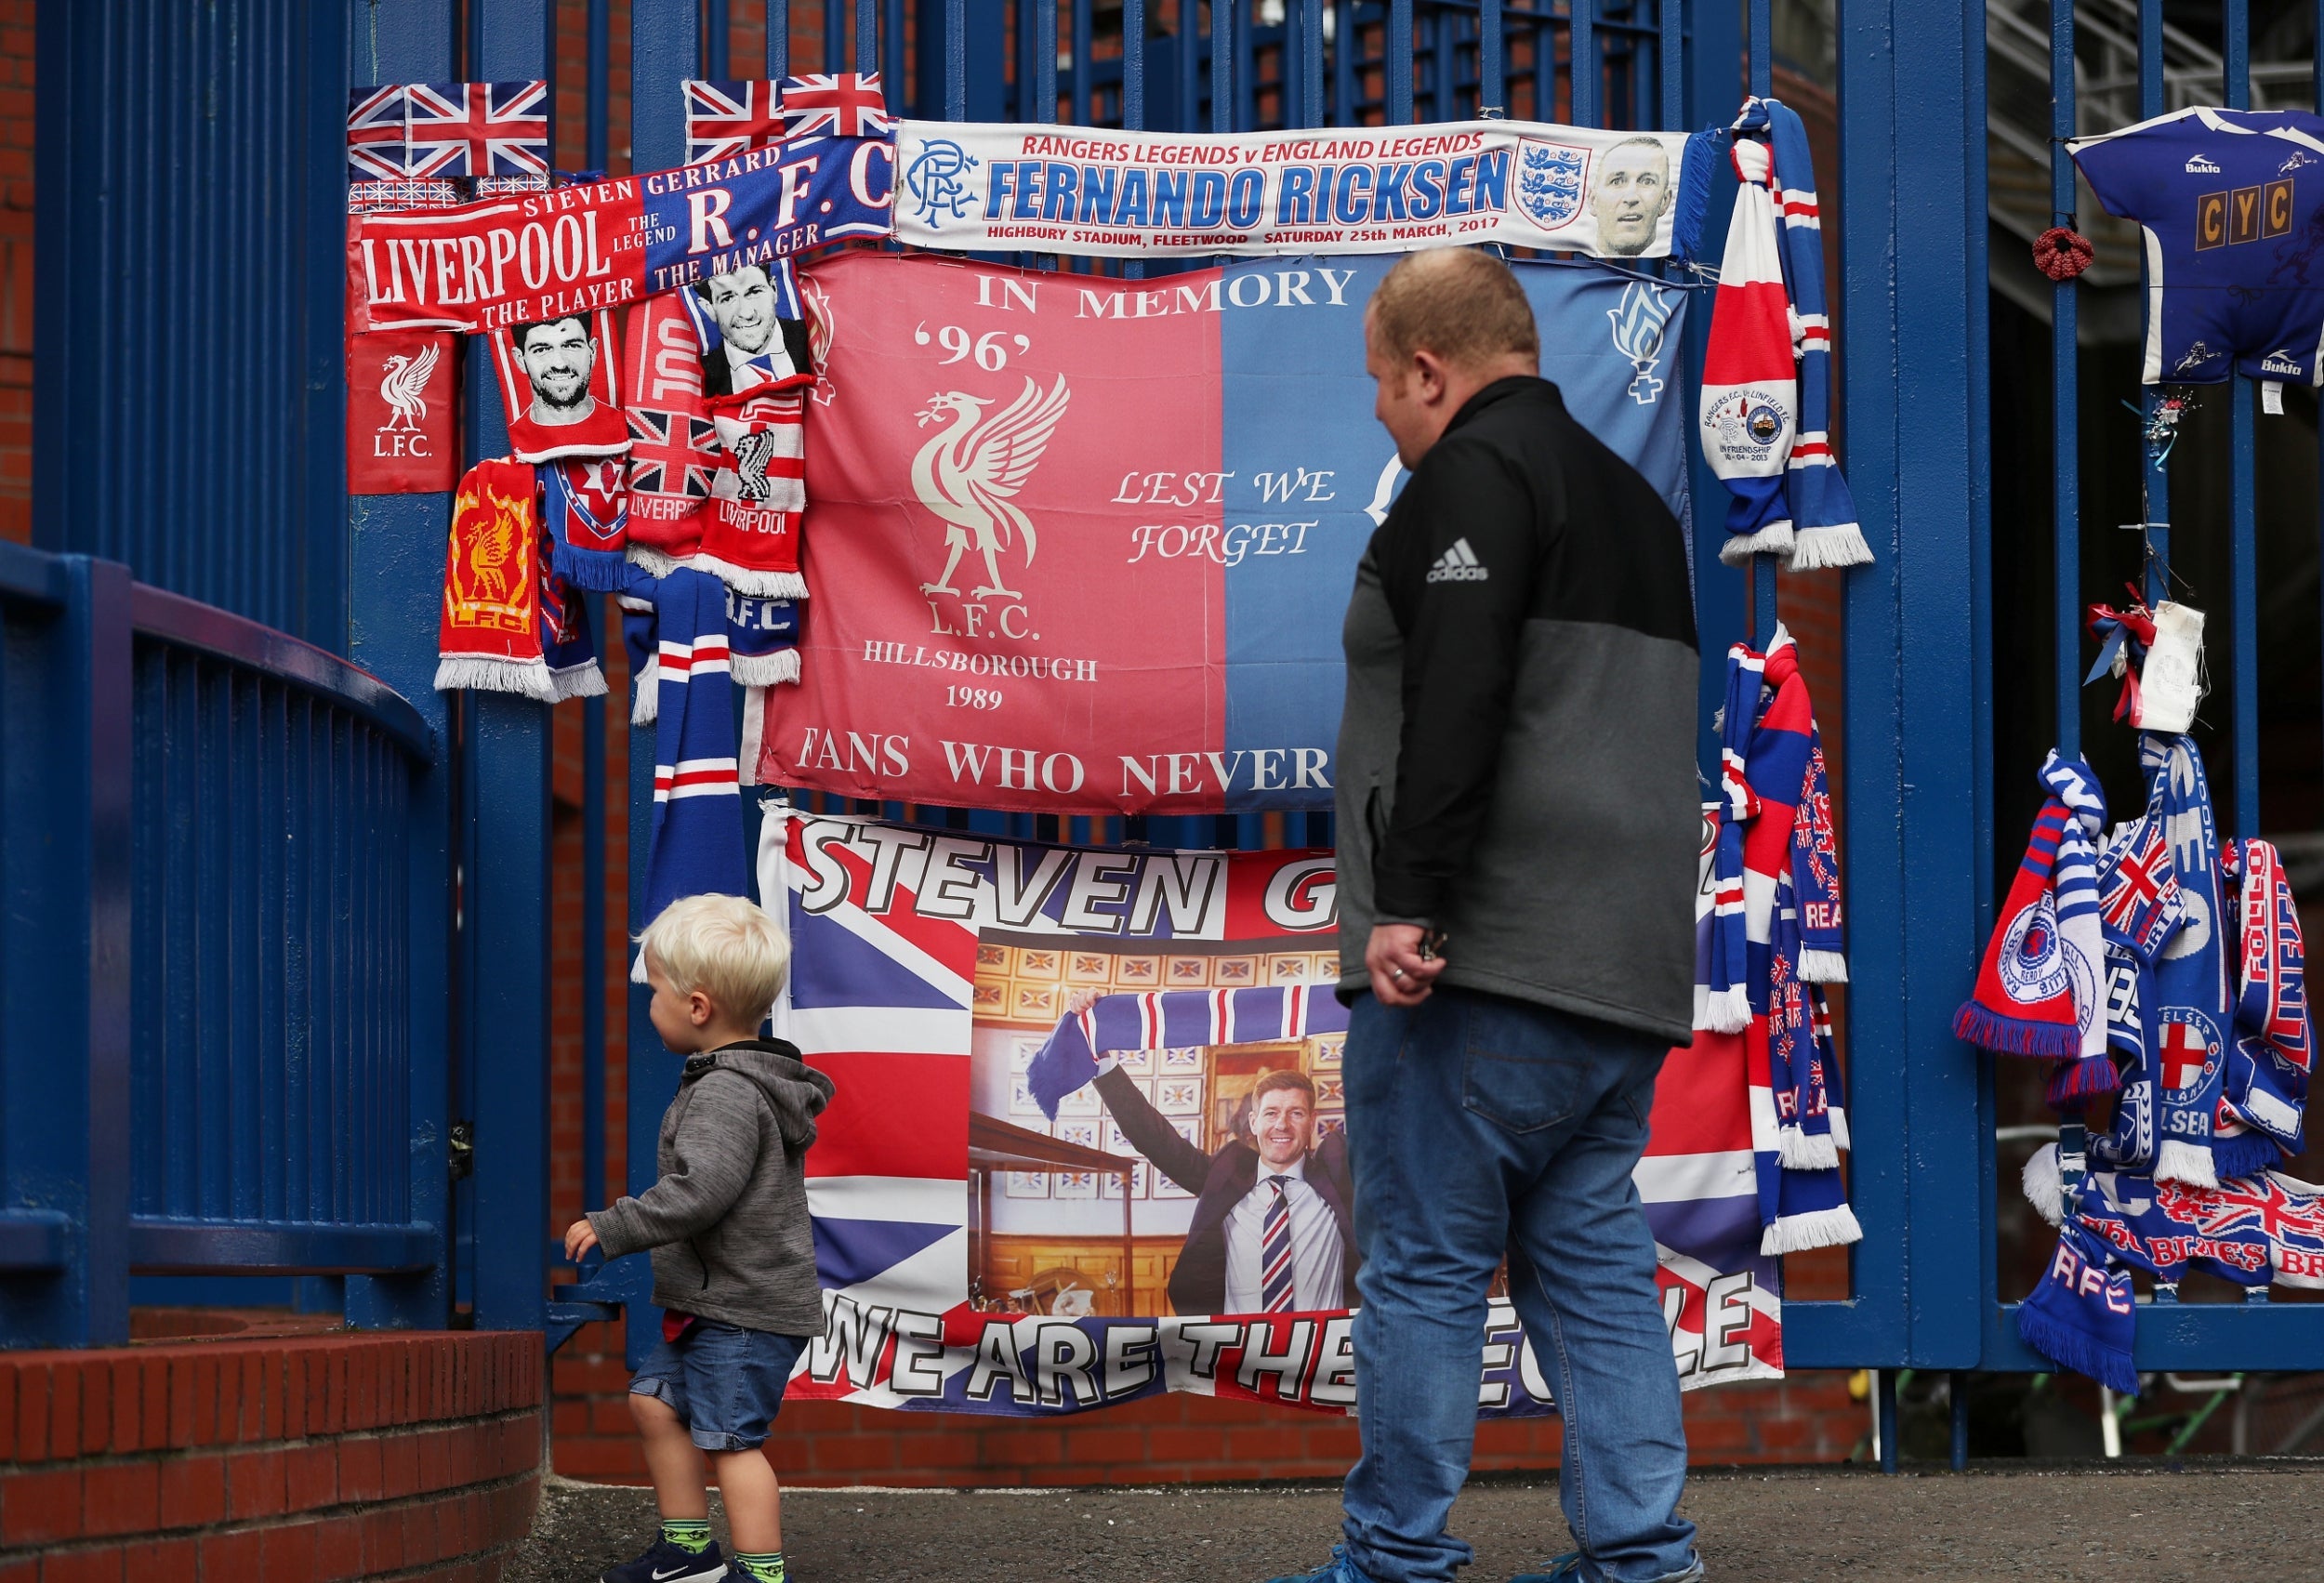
[(725, 1383)]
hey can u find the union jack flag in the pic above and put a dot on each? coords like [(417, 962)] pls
[(2247, 1204), (2138, 887), (376, 134), (672, 453), (724, 119), (478, 128), (836, 104)]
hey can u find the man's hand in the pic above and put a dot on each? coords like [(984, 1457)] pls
[(1399, 977), (580, 1237)]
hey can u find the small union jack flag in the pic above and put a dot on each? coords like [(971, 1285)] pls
[(725, 119), (836, 104), (478, 128), (2138, 887), (672, 453), (376, 134)]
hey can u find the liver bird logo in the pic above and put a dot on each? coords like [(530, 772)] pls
[(405, 386), (969, 474)]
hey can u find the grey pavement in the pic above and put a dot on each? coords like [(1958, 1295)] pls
[(2063, 1524)]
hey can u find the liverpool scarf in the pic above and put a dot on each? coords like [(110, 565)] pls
[(679, 621), (2038, 991), (558, 388), (508, 624), (673, 443), (752, 539), (1175, 1019)]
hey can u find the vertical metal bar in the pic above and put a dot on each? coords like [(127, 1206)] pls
[(1492, 80), (1396, 48), (867, 42), (716, 38), (1761, 43), (956, 59), (1190, 63), (835, 35), (1291, 76), (1084, 26), (1044, 106), (2156, 478), (1670, 54), (1956, 1398), (593, 930), (1583, 33), (1343, 53), (2242, 508), (1312, 61), (1885, 1404), (778, 54), (892, 56), (662, 46), (1133, 64), (1442, 51), (1222, 65), (1761, 69), (2065, 395), (1246, 68), (395, 550), (600, 72)]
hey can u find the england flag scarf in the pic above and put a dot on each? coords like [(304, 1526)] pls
[(1765, 407), (2040, 990), (1777, 827), (679, 623)]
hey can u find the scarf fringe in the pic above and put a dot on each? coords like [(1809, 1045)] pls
[(579, 681), (1774, 539), (2086, 1078), (753, 580), (646, 702), (1839, 1118), (1724, 1010), (766, 670), (2190, 1163), (637, 967), (599, 571), (1987, 1029), (480, 673), (1843, 544), (2249, 1155), (1835, 1227), (1798, 1151), (2043, 1184), (2071, 1347), (659, 564), (1823, 967)]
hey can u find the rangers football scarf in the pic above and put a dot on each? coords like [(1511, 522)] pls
[(1777, 825), (558, 387), (2267, 1083), (762, 650), (508, 623), (2038, 993), (586, 503), (2081, 1315), (679, 621), (1175, 1019)]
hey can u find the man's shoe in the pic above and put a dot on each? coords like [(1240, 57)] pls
[(666, 1563), (1340, 1569)]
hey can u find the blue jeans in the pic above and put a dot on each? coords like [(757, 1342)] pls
[(725, 1383), (1479, 1125)]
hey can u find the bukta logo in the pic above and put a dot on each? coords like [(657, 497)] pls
[(2201, 165), (970, 473), (2282, 361)]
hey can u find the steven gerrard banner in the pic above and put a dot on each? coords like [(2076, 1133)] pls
[(1345, 190), (1001, 1226), (1085, 543)]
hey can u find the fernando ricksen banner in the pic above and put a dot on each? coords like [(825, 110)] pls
[(977, 186), (1060, 1072), (532, 257), (1085, 544)]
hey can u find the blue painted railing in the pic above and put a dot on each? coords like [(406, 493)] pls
[(205, 979)]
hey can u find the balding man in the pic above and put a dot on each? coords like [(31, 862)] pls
[(1632, 196), (1517, 824)]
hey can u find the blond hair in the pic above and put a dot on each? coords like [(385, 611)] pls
[(1463, 305), (724, 946)]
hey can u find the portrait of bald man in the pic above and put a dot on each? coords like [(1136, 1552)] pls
[(1632, 196)]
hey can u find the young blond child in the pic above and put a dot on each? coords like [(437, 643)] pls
[(733, 1260)]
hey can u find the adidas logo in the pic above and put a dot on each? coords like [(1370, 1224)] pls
[(1457, 564), (2201, 165)]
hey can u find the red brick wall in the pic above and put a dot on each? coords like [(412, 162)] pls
[(308, 1460)]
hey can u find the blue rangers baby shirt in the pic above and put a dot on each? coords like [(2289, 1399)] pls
[(2232, 206)]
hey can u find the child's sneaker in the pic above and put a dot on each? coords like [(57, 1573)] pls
[(666, 1563)]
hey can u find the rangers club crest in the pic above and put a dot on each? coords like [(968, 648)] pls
[(1551, 178)]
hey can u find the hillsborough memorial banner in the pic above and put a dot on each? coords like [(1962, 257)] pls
[(530, 258), (1083, 544), (968, 185), (999, 1227)]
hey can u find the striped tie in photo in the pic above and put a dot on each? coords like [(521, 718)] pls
[(1275, 1251)]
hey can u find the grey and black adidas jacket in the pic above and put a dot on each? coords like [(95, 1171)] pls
[(1516, 760)]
